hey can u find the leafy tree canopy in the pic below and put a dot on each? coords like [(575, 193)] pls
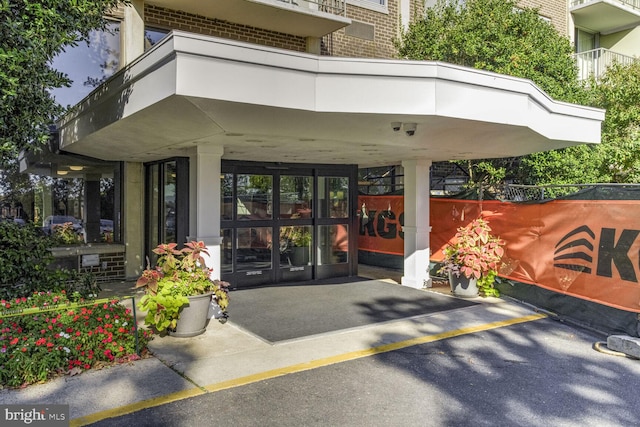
[(31, 34), (498, 36)]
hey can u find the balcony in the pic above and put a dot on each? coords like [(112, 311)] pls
[(305, 18), (595, 62), (605, 16)]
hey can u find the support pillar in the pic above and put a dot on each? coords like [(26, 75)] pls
[(92, 209), (416, 223), (132, 218), (132, 44), (205, 168)]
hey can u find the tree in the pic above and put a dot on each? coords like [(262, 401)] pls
[(32, 33), (500, 36), (618, 92)]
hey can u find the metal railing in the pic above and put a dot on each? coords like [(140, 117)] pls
[(595, 62), (334, 7), (527, 193), (635, 4)]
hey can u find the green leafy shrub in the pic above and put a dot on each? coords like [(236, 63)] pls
[(65, 234), (38, 346), (25, 259)]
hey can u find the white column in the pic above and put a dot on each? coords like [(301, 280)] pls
[(132, 219), (404, 9), (132, 32), (204, 202), (416, 223)]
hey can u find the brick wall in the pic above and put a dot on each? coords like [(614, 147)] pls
[(111, 264), (113, 270), (556, 10), (176, 20), (385, 29)]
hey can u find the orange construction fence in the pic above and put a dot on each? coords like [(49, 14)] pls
[(588, 249)]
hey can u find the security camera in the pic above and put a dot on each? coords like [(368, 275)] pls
[(396, 126), (409, 129)]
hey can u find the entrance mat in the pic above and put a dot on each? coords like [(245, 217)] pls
[(293, 311)]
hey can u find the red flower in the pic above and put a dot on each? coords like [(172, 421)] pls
[(14, 341)]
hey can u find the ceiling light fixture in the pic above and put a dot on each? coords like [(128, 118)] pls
[(76, 168), (62, 172)]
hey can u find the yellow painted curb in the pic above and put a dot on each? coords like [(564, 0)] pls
[(137, 406), (366, 352), (161, 400)]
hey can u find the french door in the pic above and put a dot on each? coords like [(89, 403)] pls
[(286, 223)]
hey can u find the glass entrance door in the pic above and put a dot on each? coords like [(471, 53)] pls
[(284, 223)]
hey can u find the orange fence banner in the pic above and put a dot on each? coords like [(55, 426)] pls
[(588, 249), (381, 219)]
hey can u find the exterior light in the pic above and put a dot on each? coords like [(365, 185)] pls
[(76, 168)]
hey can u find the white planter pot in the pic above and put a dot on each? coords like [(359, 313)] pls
[(463, 286), (193, 317)]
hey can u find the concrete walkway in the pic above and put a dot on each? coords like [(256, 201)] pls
[(226, 356)]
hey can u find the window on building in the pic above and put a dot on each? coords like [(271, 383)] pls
[(153, 36), (377, 5), (88, 64), (585, 41)]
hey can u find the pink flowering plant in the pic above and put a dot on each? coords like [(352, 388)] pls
[(476, 254), (179, 273), (46, 334)]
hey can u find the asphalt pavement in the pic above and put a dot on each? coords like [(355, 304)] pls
[(493, 363)]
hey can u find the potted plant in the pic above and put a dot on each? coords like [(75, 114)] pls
[(473, 259), (178, 291), (297, 241)]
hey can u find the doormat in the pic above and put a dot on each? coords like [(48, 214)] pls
[(288, 312)]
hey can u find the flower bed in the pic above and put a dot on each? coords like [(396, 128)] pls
[(47, 334)]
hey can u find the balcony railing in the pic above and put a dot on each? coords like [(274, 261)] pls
[(335, 7), (595, 62), (635, 4)]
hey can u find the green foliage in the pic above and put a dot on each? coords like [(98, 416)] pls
[(485, 284), (617, 157), (35, 347), (25, 258), (502, 37), (32, 33), (498, 36), (619, 93), (178, 274), (65, 234)]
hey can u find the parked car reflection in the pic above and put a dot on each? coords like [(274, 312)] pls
[(53, 221)]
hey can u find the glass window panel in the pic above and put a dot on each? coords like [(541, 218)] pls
[(295, 245), (333, 197), (88, 65), (334, 244), (255, 196), (226, 263), (254, 248), (296, 196), (226, 195), (169, 212), (153, 36)]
